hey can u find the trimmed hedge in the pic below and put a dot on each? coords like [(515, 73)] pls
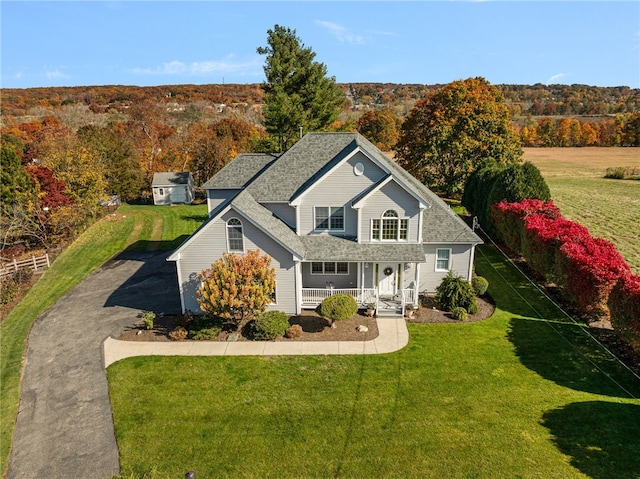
[(624, 304), (562, 251), (456, 292)]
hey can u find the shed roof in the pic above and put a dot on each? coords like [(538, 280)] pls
[(171, 178)]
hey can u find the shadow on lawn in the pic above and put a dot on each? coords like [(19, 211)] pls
[(565, 354), (600, 437)]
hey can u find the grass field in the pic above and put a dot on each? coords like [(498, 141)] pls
[(609, 208), (133, 226), (515, 396)]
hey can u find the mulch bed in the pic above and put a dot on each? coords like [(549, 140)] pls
[(315, 327)]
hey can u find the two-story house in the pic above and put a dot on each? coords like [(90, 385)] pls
[(335, 215)]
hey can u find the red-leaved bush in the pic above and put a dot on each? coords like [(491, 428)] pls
[(543, 238), (509, 219), (624, 304), (592, 266)]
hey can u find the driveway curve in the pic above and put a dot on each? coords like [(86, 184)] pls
[(64, 426)]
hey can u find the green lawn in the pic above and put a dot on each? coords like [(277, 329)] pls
[(512, 396), (132, 226), (609, 208)]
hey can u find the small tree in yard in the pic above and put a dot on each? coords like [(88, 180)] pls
[(237, 287)]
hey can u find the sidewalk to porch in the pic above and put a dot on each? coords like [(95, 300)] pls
[(392, 336)]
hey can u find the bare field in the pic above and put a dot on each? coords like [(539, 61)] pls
[(581, 162), (609, 208)]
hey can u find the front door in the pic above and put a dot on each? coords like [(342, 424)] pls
[(387, 273)]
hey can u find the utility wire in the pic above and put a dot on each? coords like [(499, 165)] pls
[(541, 291)]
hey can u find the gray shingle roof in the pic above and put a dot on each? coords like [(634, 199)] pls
[(243, 169), (265, 220), (325, 247), (269, 178), (171, 178)]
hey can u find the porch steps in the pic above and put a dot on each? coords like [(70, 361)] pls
[(389, 307)]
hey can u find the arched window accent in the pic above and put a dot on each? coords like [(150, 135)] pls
[(390, 227), (235, 238)]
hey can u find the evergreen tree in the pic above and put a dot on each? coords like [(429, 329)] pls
[(298, 93)]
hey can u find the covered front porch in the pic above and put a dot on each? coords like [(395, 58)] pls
[(387, 287)]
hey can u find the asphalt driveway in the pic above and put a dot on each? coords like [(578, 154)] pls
[(64, 427)]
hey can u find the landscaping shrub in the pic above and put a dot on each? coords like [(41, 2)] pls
[(338, 307), (23, 276), (205, 334), (459, 313), (178, 334), (294, 331), (455, 291), (148, 318), (480, 285), (204, 327), (624, 304), (270, 325), (616, 173), (8, 290)]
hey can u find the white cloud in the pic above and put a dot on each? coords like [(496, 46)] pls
[(342, 33), (207, 67), (52, 74), (557, 77)]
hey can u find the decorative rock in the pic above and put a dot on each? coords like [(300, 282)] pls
[(233, 337), (139, 332), (362, 328)]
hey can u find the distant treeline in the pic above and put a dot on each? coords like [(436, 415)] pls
[(524, 100)]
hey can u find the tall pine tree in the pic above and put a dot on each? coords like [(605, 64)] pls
[(298, 92)]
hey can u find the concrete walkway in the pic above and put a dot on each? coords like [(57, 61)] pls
[(64, 427), (392, 336)]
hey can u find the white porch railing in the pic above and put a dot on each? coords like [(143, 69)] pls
[(314, 296), (409, 296)]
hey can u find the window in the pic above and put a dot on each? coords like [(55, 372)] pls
[(161, 191), (443, 259), (390, 228), (235, 239), (274, 298), (329, 218), (330, 267)]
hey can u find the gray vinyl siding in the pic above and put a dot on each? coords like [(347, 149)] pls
[(339, 189), (339, 280), (390, 197), (283, 211), (430, 279), (210, 245), (216, 197)]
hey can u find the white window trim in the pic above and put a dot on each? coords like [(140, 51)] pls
[(382, 218), (344, 219), (450, 260), (275, 295), (335, 265), (229, 250)]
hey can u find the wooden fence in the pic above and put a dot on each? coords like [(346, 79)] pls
[(35, 263)]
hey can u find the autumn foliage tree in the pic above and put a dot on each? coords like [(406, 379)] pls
[(455, 130), (381, 127), (237, 287)]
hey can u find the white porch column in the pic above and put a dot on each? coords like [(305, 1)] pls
[(297, 268)]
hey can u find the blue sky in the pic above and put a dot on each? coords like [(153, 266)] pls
[(60, 43)]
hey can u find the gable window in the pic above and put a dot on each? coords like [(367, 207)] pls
[(329, 218), (390, 227), (443, 259), (330, 267), (235, 239)]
